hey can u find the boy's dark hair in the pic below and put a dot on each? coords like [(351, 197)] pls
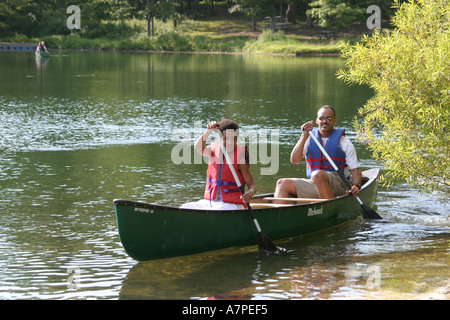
[(227, 124)]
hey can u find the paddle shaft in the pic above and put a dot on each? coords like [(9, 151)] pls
[(264, 242), (334, 165), (330, 160), (236, 178)]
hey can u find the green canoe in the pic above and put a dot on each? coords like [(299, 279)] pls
[(150, 231), (40, 55)]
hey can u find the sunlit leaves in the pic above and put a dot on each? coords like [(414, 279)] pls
[(406, 123)]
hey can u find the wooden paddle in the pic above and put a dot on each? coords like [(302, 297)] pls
[(367, 212), (264, 243)]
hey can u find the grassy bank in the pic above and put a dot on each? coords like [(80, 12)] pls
[(215, 35)]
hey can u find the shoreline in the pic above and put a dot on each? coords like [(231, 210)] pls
[(292, 54)]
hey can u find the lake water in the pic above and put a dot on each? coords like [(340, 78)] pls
[(84, 128)]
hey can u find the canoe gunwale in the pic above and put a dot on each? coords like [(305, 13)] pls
[(370, 176)]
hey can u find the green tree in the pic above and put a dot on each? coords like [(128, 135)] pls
[(251, 8), (406, 123), (11, 15), (342, 13), (120, 10), (328, 13), (93, 12), (162, 9), (261, 8)]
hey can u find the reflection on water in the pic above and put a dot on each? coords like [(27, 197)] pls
[(90, 127), (320, 266)]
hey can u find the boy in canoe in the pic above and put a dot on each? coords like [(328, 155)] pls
[(221, 190), (324, 182)]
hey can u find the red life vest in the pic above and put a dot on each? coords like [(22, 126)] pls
[(229, 191)]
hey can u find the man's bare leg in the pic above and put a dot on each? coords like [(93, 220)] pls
[(320, 179), (284, 188)]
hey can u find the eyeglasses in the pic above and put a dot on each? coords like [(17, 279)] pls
[(327, 118)]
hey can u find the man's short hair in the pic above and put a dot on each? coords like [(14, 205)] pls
[(328, 107)]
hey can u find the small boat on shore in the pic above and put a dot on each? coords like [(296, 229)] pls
[(149, 231)]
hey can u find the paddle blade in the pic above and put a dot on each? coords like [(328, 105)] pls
[(265, 244), (369, 213)]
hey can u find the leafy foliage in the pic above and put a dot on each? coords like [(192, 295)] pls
[(100, 17), (334, 13), (406, 123)]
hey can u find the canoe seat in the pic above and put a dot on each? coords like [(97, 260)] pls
[(294, 199), (269, 205)]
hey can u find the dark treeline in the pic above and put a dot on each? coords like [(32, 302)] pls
[(105, 18)]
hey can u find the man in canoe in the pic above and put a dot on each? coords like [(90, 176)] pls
[(41, 47), (324, 182), (221, 190)]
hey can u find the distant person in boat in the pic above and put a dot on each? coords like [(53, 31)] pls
[(221, 190), (41, 47), (323, 182)]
